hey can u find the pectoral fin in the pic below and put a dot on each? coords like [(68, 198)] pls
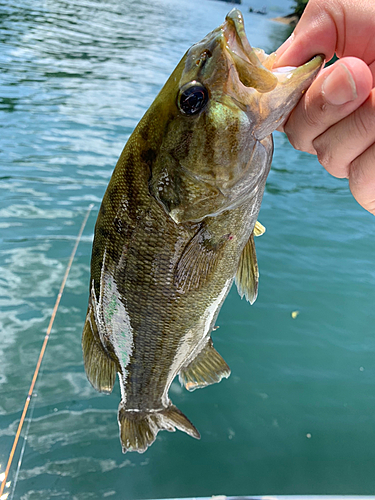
[(247, 276), (208, 367), (198, 260), (100, 368)]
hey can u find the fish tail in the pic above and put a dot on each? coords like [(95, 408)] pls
[(138, 429)]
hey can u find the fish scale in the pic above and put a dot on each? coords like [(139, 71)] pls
[(177, 224)]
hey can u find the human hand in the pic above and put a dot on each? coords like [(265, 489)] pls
[(335, 119)]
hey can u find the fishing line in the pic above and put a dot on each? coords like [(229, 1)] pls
[(32, 407), (42, 351), (30, 419)]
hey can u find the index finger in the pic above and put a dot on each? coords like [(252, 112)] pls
[(328, 27)]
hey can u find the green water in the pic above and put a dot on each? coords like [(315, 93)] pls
[(297, 413)]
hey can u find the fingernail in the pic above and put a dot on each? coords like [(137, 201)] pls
[(339, 86)]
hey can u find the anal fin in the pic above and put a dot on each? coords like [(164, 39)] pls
[(138, 429), (100, 368), (207, 368)]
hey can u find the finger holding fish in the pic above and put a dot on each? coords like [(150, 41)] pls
[(336, 93), (341, 27), (356, 131), (342, 135), (335, 118), (347, 150), (362, 179)]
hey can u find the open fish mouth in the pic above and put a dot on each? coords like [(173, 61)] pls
[(254, 66)]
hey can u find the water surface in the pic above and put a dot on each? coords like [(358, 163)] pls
[(297, 413)]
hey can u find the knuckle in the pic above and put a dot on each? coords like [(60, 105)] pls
[(289, 129), (363, 123), (312, 111), (327, 156), (293, 140), (298, 136), (369, 205), (324, 156), (362, 170), (323, 151), (362, 179), (305, 123)]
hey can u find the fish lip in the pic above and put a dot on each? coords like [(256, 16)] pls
[(234, 33), (313, 65), (250, 71), (244, 56)]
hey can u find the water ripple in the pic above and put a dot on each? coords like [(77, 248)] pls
[(76, 77)]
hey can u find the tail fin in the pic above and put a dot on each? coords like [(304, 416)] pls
[(138, 429)]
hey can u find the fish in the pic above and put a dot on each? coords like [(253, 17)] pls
[(176, 227)]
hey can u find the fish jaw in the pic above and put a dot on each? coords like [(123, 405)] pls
[(229, 66), (251, 72), (210, 161), (277, 104), (267, 95), (247, 100), (215, 158)]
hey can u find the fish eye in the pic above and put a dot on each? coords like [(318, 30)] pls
[(192, 98)]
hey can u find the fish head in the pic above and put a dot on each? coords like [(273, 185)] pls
[(225, 99)]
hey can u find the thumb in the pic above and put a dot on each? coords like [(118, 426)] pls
[(338, 91)]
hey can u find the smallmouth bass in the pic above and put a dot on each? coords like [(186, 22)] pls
[(176, 227)]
